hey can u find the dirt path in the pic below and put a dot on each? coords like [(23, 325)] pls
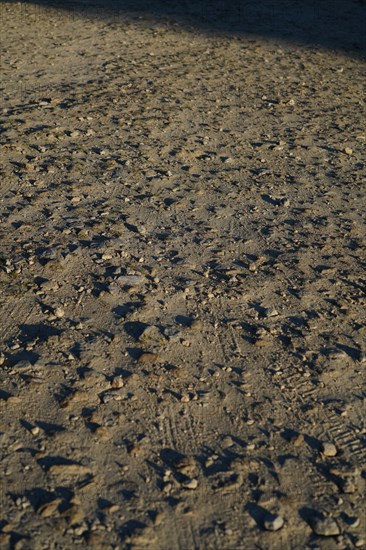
[(183, 286)]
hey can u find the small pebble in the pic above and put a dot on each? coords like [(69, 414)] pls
[(324, 526), (329, 449), (59, 312), (298, 440), (190, 484), (273, 522), (227, 441)]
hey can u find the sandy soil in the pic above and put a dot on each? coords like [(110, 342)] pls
[(182, 279)]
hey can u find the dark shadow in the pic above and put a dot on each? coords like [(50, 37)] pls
[(131, 528), (289, 435), (313, 443), (184, 320), (26, 425), (29, 450), (353, 353), (258, 513), (23, 355), (39, 330), (282, 459), (50, 428), (331, 24), (38, 496), (135, 353), (222, 464), (135, 328), (104, 503), (4, 395), (126, 309), (127, 494), (170, 457)]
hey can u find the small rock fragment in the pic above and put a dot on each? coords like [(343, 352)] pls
[(130, 280), (148, 357), (271, 312), (48, 509), (186, 466), (273, 522), (329, 449), (324, 526), (298, 440), (190, 484), (117, 382), (152, 335), (59, 312), (227, 442)]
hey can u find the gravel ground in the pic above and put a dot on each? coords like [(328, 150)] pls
[(182, 275)]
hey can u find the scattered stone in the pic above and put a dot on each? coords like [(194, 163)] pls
[(48, 286), (131, 280), (270, 312), (186, 466), (227, 441), (93, 379), (285, 202), (348, 484), (111, 508), (59, 312), (324, 526), (113, 395), (353, 522), (148, 357), (158, 519), (48, 509), (329, 449), (273, 522), (152, 335), (298, 440), (75, 515), (190, 484), (117, 382)]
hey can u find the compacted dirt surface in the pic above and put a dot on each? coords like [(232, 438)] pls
[(183, 253)]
